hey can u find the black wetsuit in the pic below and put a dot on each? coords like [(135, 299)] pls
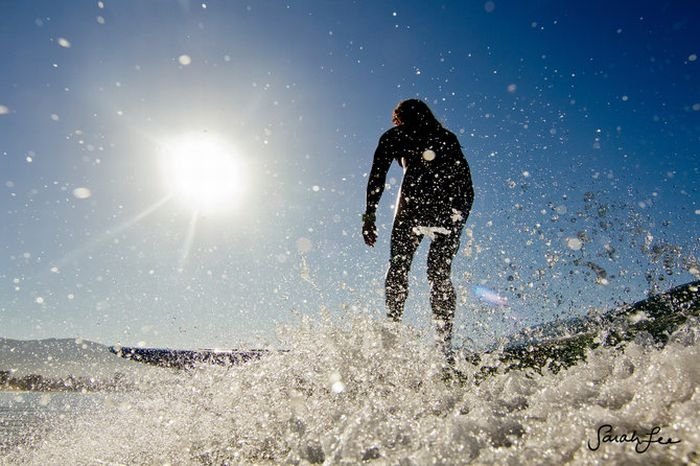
[(435, 199)]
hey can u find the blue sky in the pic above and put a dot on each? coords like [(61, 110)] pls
[(580, 121)]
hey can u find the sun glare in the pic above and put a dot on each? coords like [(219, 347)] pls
[(203, 172)]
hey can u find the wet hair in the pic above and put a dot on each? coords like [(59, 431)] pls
[(416, 114)]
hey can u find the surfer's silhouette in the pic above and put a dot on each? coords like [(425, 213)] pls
[(435, 199)]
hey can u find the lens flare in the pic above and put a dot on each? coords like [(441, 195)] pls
[(490, 297)]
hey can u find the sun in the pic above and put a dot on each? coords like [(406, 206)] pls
[(204, 172)]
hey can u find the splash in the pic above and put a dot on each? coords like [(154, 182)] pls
[(357, 390)]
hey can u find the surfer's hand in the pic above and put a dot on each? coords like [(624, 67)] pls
[(369, 229), (369, 233)]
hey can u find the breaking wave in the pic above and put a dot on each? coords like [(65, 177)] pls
[(356, 390)]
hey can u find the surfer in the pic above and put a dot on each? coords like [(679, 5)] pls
[(435, 199)]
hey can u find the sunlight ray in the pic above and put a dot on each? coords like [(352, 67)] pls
[(111, 233), (187, 245)]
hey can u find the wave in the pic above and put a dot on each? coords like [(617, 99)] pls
[(354, 389)]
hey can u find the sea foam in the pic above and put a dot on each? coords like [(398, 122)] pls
[(359, 390)]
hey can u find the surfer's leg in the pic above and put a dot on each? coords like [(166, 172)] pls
[(443, 299), (404, 243)]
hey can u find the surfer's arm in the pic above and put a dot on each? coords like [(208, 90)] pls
[(377, 176), (465, 191), (468, 194)]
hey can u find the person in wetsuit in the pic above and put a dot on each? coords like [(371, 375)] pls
[(435, 199)]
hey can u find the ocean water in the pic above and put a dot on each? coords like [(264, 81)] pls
[(357, 390), (26, 418)]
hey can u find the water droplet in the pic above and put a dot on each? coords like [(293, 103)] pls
[(82, 193), (574, 244), (304, 245)]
